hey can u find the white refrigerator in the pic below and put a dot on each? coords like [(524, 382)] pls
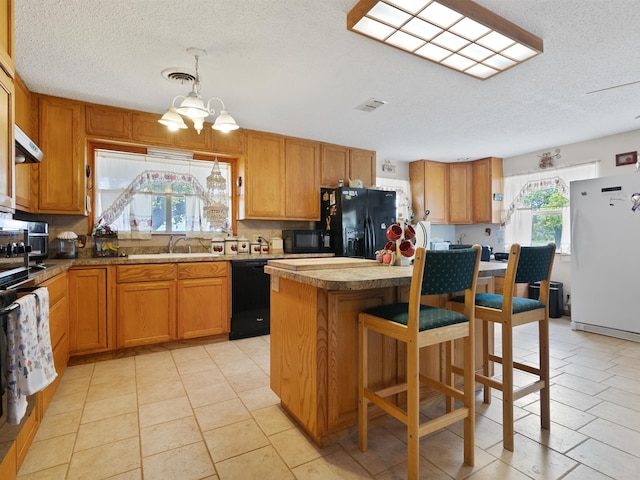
[(605, 256)]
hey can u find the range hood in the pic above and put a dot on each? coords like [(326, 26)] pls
[(26, 150)]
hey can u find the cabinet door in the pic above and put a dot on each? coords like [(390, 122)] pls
[(334, 165), (6, 36), (487, 180), (264, 171), (7, 147), (62, 181), (362, 165), (88, 315), (226, 142), (108, 122), (26, 173), (146, 313), (460, 193), (302, 179), (203, 307), (430, 189), (147, 130)]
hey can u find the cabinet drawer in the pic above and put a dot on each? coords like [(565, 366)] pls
[(58, 322), (145, 273), (57, 287), (203, 270)]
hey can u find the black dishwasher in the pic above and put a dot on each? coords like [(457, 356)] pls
[(249, 299)]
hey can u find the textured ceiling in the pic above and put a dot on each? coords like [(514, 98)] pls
[(291, 67)]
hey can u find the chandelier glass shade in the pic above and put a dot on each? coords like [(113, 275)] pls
[(193, 107)]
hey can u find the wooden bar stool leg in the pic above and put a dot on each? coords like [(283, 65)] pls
[(487, 366), (469, 400), (545, 402), (363, 382), (413, 409), (507, 387), (449, 377)]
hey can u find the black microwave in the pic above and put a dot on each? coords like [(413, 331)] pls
[(306, 241)]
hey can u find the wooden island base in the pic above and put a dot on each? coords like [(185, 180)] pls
[(314, 342)]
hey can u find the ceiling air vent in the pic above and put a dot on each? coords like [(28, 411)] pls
[(178, 75), (371, 105)]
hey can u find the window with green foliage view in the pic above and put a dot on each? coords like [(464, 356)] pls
[(546, 221)]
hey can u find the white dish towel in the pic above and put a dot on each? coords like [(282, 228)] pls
[(30, 366)]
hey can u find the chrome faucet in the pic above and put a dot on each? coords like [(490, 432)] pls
[(172, 244)]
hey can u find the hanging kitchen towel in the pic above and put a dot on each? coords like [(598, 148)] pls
[(30, 366)]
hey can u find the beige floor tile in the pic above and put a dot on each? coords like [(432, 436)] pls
[(579, 384), (573, 398), (164, 411), (190, 354), (110, 407), (263, 464), (66, 403), (73, 385), (273, 419), (135, 474), (56, 425), (226, 352), (169, 435), (620, 397), (606, 459), (252, 346), (624, 383), (385, 450), (233, 440), (237, 368), (487, 434), (534, 460), (107, 430), (157, 376), (106, 460), (582, 472), (53, 473), (296, 448), (154, 361), (48, 453), (588, 373), (190, 462), (210, 394), (498, 470), (248, 381), (559, 438), (628, 369), (75, 372), (221, 414), (617, 414), (185, 368), (614, 435), (339, 466), (156, 392), (588, 361), (445, 450), (564, 414), (210, 376), (493, 410), (258, 398), (112, 388)]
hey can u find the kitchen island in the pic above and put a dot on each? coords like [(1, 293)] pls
[(314, 338)]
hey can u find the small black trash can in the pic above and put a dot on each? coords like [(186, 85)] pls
[(556, 297)]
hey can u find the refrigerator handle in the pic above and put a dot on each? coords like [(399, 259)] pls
[(372, 236), (574, 240), (367, 246)]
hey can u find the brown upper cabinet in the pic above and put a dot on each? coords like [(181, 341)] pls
[(460, 193), (457, 193), (6, 37), (430, 190), (26, 173), (62, 174), (488, 186), (344, 163), (7, 148)]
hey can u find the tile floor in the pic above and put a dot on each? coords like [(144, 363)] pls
[(206, 412)]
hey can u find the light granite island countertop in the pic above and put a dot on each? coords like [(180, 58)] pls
[(314, 338)]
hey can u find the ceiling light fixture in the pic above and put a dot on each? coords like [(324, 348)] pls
[(194, 108), (458, 34)]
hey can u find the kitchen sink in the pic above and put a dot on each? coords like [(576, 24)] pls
[(151, 256)]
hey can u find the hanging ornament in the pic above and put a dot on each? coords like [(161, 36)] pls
[(217, 209)]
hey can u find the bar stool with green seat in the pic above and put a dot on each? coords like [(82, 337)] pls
[(434, 273), (526, 265)]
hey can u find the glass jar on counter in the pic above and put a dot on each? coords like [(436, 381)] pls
[(106, 244), (67, 245)]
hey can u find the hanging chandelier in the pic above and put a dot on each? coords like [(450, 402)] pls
[(192, 105), (217, 211)]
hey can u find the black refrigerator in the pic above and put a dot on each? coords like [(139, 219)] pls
[(355, 220)]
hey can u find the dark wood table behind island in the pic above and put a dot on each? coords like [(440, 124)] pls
[(314, 339)]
